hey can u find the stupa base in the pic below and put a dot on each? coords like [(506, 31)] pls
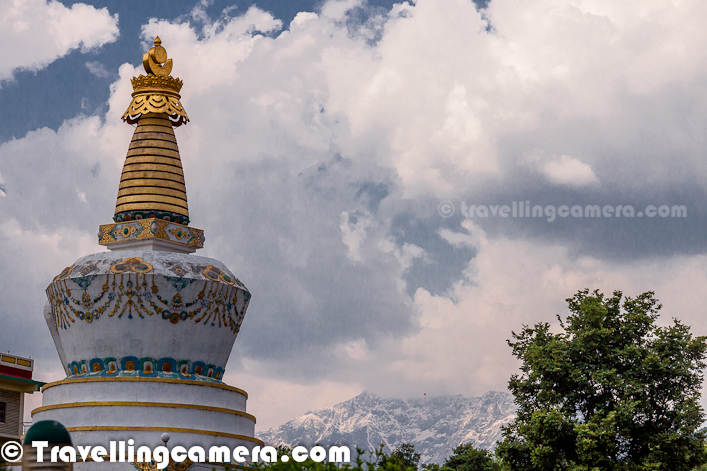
[(99, 410)]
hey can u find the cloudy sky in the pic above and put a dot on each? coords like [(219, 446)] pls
[(328, 145)]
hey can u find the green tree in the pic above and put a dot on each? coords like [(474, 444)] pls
[(468, 458), (404, 456), (364, 461), (283, 450), (611, 391)]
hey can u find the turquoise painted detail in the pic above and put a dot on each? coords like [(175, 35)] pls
[(145, 367)]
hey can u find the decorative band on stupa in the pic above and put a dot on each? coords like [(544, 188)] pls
[(152, 197)]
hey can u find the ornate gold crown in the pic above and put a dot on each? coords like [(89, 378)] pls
[(157, 92), (153, 82)]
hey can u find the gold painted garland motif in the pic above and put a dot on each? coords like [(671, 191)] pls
[(64, 273), (216, 274), (129, 294), (133, 264)]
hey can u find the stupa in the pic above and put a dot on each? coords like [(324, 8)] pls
[(144, 330)]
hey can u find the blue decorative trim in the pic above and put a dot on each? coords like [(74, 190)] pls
[(172, 365), (96, 364), (125, 360), (149, 214), (200, 366), (145, 367), (183, 367), (133, 374)]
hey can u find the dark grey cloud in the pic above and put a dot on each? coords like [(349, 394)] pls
[(443, 263), (649, 152)]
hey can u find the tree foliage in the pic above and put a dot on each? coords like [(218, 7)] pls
[(468, 458), (404, 456), (611, 391)]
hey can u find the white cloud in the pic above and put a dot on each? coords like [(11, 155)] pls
[(37, 32), (267, 395), (336, 9), (437, 93), (301, 18), (97, 69), (570, 171), (461, 345)]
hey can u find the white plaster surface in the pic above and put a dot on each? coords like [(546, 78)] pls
[(166, 418), (151, 244), (143, 391)]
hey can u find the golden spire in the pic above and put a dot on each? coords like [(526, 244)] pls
[(152, 212), (152, 182)]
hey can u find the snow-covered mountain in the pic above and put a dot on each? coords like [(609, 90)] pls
[(435, 425)]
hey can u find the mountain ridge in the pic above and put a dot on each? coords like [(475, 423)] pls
[(435, 425)]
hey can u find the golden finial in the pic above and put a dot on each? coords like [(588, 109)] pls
[(158, 91), (155, 61)]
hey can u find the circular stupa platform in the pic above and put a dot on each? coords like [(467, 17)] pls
[(97, 410)]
